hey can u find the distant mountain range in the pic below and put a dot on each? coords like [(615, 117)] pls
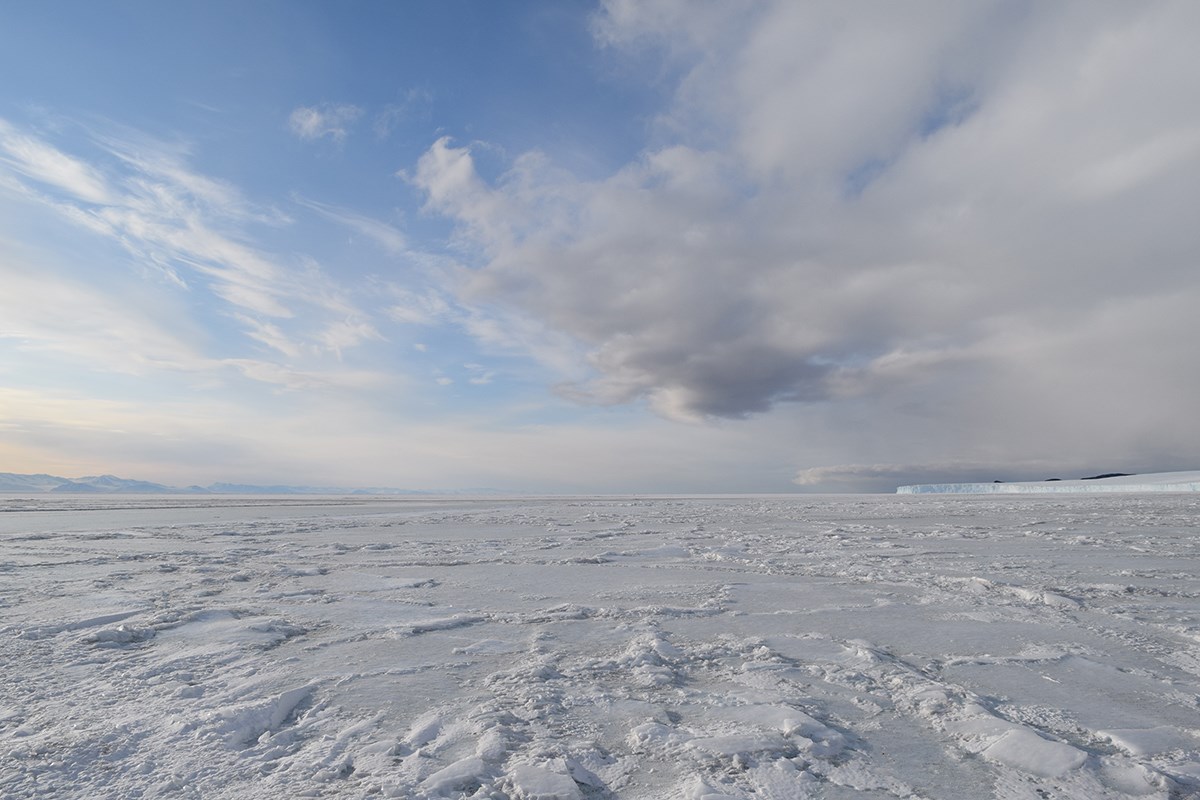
[(111, 484)]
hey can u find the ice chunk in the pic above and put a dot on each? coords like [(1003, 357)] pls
[(740, 743), (243, 724), (463, 775), (1148, 741), (1025, 750), (546, 782)]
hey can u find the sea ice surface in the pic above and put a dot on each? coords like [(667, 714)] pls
[(1019, 647)]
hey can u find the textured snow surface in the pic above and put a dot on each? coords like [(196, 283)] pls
[(1155, 482), (571, 649)]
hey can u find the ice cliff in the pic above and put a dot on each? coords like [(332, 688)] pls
[(1154, 482)]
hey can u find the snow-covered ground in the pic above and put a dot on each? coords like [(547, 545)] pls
[(744, 647)]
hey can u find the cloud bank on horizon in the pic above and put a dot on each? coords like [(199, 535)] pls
[(656, 246)]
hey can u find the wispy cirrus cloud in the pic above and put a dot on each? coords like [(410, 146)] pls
[(32, 158), (414, 102), (165, 164), (163, 214), (386, 236), (52, 317), (48, 314), (326, 120), (198, 233), (428, 307)]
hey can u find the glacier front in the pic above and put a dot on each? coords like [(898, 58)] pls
[(1152, 482)]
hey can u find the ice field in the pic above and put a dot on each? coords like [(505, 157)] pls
[(908, 646)]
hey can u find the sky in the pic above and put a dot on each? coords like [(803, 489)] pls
[(564, 246)]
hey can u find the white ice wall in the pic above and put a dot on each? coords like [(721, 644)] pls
[(1156, 482)]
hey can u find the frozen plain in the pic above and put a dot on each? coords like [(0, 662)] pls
[(661, 647)]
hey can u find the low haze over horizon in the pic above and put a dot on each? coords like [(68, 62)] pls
[(599, 247)]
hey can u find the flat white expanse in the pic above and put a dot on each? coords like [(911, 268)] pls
[(744, 647)]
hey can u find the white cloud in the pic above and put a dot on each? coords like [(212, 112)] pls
[(198, 234), (912, 207), (60, 320), (42, 313), (419, 308), (479, 374), (33, 158), (347, 333), (913, 240), (270, 335), (886, 477), (388, 237), (292, 378), (316, 122)]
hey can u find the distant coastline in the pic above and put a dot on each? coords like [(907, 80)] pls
[(111, 484)]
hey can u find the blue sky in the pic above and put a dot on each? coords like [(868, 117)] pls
[(572, 246)]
